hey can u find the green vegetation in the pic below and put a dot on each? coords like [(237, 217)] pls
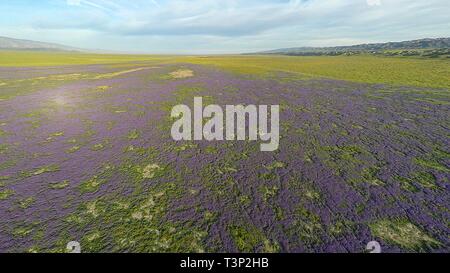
[(43, 170), (133, 135), (27, 202), (432, 164), (368, 69), (31, 58), (22, 231), (6, 194), (246, 238), (425, 179), (307, 226), (404, 234), (92, 185), (362, 68), (269, 192), (60, 185)]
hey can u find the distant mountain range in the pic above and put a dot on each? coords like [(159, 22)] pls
[(18, 44), (393, 48)]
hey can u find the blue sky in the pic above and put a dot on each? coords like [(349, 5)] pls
[(227, 26)]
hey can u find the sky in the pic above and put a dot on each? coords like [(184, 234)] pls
[(221, 26)]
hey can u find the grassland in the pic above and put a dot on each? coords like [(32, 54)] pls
[(36, 59), (370, 69)]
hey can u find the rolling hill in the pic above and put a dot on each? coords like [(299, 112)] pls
[(19, 44), (439, 46)]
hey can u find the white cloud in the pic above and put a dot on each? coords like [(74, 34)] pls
[(234, 25), (99, 4)]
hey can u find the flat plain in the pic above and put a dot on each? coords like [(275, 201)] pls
[(86, 154)]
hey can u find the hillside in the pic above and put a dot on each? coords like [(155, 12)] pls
[(422, 47), (19, 44)]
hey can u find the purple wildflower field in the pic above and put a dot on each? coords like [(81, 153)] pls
[(86, 154)]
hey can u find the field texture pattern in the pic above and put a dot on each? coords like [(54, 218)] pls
[(86, 155)]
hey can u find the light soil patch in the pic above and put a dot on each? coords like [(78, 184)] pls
[(102, 88), (144, 211), (116, 74), (182, 74), (92, 209), (404, 234), (150, 171)]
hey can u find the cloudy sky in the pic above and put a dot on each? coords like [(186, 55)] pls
[(221, 26)]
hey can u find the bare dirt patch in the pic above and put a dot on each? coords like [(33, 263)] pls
[(182, 73)]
